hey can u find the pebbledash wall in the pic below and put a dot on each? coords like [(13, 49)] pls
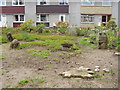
[(52, 11), (75, 12)]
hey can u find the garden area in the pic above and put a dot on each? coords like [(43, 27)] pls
[(59, 57)]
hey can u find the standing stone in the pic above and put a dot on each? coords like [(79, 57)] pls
[(9, 37), (14, 43), (103, 41)]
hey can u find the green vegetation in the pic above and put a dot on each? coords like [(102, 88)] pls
[(86, 42), (97, 75), (33, 80), (2, 57), (48, 66), (41, 53)]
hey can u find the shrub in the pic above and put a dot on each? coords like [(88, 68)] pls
[(28, 25), (82, 32), (40, 28), (62, 27), (111, 25)]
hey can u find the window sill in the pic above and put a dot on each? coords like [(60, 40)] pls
[(18, 5), (43, 21), (18, 21), (87, 22)]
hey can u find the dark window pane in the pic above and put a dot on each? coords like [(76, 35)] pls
[(21, 17), (16, 17)]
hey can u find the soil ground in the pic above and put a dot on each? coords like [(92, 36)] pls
[(20, 65)]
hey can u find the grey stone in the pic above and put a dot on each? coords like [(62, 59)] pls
[(9, 37), (14, 44)]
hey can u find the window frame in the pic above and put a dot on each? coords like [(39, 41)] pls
[(39, 17), (18, 3), (92, 16), (65, 2), (103, 3), (93, 3), (1, 2), (47, 2), (19, 18)]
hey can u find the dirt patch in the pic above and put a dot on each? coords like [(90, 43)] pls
[(20, 64)]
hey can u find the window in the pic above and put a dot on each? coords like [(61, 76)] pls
[(87, 18), (43, 17), (62, 18), (18, 2), (63, 2), (106, 3), (2, 2), (19, 18), (42, 2), (87, 2)]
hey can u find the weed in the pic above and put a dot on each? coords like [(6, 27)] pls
[(97, 75), (48, 66), (39, 80), (2, 57), (55, 60), (41, 53), (60, 54), (86, 42), (23, 82)]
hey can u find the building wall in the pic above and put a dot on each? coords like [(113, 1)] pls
[(96, 10), (119, 14), (115, 11), (53, 18), (30, 11), (74, 13)]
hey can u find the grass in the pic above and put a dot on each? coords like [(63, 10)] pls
[(48, 66), (42, 37), (40, 53), (86, 42), (97, 75), (2, 57), (33, 80), (60, 54), (53, 45)]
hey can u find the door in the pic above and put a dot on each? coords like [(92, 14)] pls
[(3, 21), (104, 19)]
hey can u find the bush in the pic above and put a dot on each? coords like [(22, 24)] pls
[(111, 25), (82, 32), (28, 25), (62, 27), (40, 28)]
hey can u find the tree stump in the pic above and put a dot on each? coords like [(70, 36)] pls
[(9, 37), (14, 44)]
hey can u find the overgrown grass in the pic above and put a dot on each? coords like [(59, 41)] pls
[(53, 45), (41, 53), (86, 42), (33, 80), (48, 66), (2, 57)]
